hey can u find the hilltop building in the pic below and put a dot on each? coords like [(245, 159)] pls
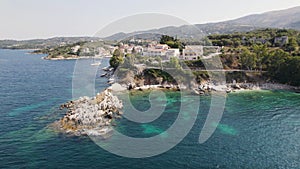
[(192, 52)]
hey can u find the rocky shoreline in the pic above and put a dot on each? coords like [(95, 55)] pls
[(206, 88), (90, 116), (236, 87), (261, 86)]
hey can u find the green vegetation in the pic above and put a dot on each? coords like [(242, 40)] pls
[(287, 40), (265, 59), (117, 59), (61, 51), (172, 42), (73, 50), (275, 51)]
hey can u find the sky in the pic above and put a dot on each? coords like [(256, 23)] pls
[(31, 19)]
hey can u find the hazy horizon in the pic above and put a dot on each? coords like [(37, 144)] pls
[(32, 19)]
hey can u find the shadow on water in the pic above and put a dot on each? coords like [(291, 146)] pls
[(226, 129), (24, 109)]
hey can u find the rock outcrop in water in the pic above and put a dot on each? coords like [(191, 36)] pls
[(90, 116)]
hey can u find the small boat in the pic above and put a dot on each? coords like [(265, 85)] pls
[(111, 80), (105, 68), (228, 90), (95, 63), (103, 75), (198, 92)]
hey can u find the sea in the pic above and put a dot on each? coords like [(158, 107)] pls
[(258, 129)]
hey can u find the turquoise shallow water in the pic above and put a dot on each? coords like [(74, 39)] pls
[(258, 129)]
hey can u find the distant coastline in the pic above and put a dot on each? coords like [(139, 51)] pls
[(71, 58)]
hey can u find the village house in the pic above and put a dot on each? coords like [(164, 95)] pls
[(75, 48), (161, 50), (86, 50), (155, 50), (138, 49), (172, 53), (281, 40), (258, 40), (192, 52)]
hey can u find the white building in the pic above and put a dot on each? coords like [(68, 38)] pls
[(75, 48), (192, 52), (156, 50), (86, 50), (172, 53), (162, 46), (138, 49)]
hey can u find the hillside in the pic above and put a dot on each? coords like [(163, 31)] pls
[(43, 43), (288, 18)]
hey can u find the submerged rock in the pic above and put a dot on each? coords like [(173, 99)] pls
[(87, 116)]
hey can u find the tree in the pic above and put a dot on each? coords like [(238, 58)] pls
[(237, 43), (129, 61), (292, 45), (174, 63), (165, 38), (260, 52), (171, 41), (275, 62), (116, 59), (293, 70), (248, 59)]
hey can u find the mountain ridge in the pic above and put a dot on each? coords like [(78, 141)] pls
[(286, 18)]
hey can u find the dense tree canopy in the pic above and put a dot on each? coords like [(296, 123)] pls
[(258, 50), (172, 42), (116, 59)]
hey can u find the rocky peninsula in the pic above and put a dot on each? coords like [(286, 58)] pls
[(90, 116)]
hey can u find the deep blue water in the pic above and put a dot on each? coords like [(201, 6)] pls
[(258, 129)]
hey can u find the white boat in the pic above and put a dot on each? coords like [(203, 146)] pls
[(96, 64), (105, 68), (111, 80), (104, 74)]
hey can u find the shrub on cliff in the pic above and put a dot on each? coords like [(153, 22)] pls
[(116, 59)]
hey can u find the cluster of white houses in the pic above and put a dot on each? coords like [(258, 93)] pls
[(190, 52)]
